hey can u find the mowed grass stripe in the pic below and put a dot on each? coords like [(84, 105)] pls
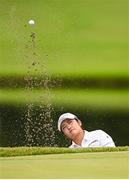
[(110, 99), (81, 165)]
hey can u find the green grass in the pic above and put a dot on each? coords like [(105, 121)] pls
[(102, 99), (78, 165), (80, 37), (28, 151)]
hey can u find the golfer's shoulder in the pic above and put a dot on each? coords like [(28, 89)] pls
[(97, 132)]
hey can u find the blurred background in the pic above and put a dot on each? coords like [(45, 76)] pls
[(73, 59)]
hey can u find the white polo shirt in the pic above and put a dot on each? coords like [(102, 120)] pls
[(97, 138)]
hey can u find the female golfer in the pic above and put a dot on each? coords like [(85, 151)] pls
[(71, 126)]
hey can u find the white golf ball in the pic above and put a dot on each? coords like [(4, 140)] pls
[(31, 22)]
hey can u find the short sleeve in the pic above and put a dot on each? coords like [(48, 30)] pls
[(105, 139)]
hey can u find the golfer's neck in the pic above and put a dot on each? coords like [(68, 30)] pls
[(78, 139)]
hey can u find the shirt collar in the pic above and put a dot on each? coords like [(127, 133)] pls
[(86, 133)]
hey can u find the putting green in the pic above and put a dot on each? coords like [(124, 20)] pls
[(80, 165)]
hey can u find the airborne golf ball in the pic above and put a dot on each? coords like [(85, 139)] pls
[(31, 22)]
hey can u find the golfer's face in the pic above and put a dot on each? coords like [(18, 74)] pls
[(71, 127)]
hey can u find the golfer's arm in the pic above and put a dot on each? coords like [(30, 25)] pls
[(106, 140)]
